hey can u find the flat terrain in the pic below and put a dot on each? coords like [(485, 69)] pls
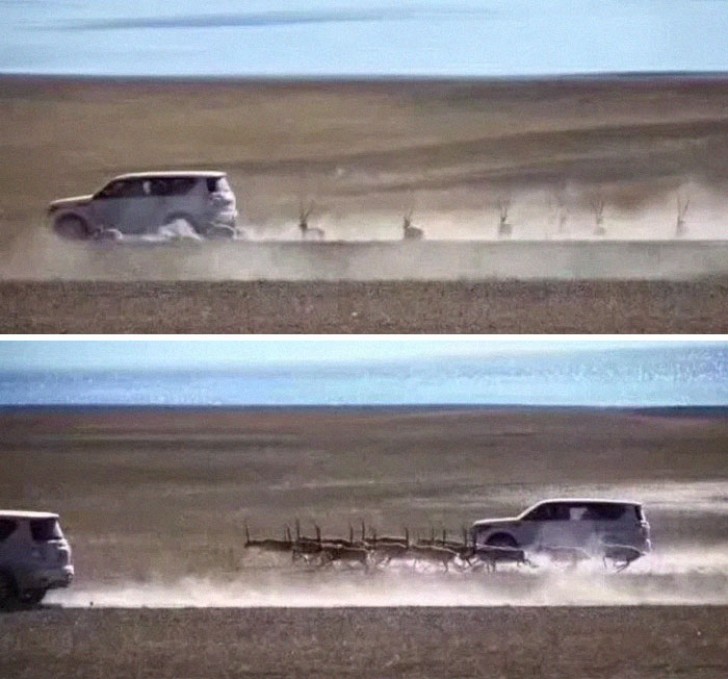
[(364, 307), (132, 484), (558, 643), (365, 153), (154, 503)]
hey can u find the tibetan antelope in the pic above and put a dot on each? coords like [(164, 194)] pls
[(306, 548), (307, 232), (570, 557), (491, 555), (682, 208), (345, 551), (387, 549), (621, 556), (558, 202), (505, 230), (597, 207), (411, 232), (269, 544)]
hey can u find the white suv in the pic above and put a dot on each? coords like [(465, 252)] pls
[(591, 525), (34, 556), (142, 202)]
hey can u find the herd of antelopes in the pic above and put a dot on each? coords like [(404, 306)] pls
[(597, 204), (375, 551)]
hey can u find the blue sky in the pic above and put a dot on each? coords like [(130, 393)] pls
[(363, 37)]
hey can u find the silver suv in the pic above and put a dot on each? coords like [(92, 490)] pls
[(592, 525), (142, 202), (34, 556)]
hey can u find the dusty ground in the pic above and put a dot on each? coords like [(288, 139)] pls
[(142, 480), (563, 643), (154, 502), (367, 152), (361, 307)]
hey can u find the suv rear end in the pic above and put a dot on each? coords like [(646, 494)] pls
[(34, 556)]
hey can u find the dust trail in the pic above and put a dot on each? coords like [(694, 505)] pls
[(673, 578), (553, 237)]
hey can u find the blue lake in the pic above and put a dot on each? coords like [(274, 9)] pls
[(658, 375)]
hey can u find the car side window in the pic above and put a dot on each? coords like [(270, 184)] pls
[(121, 188), (172, 186), (548, 512), (578, 513), (603, 511), (7, 528)]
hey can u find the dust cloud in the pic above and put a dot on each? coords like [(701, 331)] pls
[(686, 576), (640, 240)]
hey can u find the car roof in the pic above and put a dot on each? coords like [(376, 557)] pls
[(170, 173), (22, 514), (602, 500)]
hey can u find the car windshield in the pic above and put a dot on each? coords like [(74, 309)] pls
[(44, 530)]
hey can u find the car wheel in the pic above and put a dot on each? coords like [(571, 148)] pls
[(173, 219), (220, 232), (71, 227), (7, 590), (502, 540), (32, 596)]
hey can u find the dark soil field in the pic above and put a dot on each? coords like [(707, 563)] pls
[(519, 643), (154, 503), (365, 307)]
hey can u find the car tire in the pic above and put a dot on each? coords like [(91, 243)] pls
[(220, 232), (502, 540), (32, 597), (8, 590), (72, 227), (181, 216)]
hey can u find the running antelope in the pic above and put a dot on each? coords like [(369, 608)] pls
[(505, 230), (387, 549), (597, 206), (682, 208), (269, 544), (490, 556), (307, 232), (411, 232)]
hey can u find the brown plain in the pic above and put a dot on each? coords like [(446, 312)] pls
[(367, 149), (164, 494), (142, 479)]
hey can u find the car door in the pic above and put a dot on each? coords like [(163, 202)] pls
[(566, 526), (120, 205)]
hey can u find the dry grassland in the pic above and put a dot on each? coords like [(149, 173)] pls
[(154, 495), (361, 147), (134, 486), (366, 152)]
